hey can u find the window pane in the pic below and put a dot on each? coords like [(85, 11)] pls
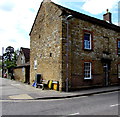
[(35, 64), (87, 37), (118, 50), (118, 47), (87, 44), (118, 44), (87, 41), (87, 70)]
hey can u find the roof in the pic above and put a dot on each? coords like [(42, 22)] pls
[(26, 52), (21, 66), (66, 11), (88, 18)]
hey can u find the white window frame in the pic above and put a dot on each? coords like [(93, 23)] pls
[(118, 70), (88, 70), (35, 64), (90, 39)]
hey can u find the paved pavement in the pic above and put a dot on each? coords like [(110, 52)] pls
[(21, 91)]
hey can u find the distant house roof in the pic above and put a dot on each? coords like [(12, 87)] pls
[(26, 52), (66, 11)]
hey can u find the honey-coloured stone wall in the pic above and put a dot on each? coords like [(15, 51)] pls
[(56, 58), (103, 40), (46, 46)]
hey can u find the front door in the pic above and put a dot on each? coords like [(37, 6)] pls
[(27, 75), (106, 74)]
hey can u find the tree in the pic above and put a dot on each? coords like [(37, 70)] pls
[(9, 59)]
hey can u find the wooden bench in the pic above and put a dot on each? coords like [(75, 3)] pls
[(43, 84)]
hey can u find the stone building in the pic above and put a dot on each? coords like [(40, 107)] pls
[(75, 49), (22, 70)]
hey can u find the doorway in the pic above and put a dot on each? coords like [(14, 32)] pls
[(27, 75)]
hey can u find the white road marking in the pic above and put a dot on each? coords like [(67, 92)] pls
[(75, 113), (37, 100), (26, 100), (114, 105), (81, 97), (20, 100), (106, 93), (15, 84)]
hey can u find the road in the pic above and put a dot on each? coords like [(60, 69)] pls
[(103, 104), (98, 104)]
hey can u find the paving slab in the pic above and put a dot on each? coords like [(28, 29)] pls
[(21, 96)]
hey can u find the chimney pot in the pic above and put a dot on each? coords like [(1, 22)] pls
[(107, 10)]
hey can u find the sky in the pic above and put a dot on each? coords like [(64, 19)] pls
[(17, 17)]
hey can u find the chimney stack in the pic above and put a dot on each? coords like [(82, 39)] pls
[(107, 17), (46, 1)]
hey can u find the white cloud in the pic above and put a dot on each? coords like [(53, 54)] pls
[(98, 6), (16, 22), (17, 17), (6, 6)]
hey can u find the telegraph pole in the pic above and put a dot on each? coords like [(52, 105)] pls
[(67, 53), (2, 62)]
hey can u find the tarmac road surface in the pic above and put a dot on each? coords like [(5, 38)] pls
[(102, 104), (97, 104)]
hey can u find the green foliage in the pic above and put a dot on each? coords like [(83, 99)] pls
[(0, 62), (9, 64), (10, 58)]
